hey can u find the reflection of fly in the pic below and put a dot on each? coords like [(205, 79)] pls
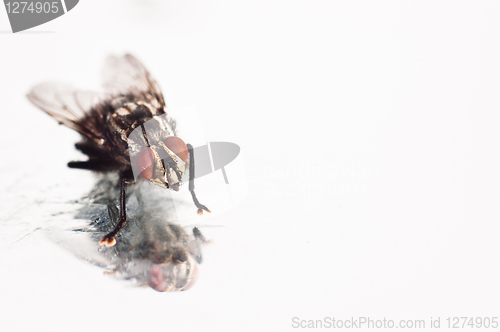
[(107, 122)]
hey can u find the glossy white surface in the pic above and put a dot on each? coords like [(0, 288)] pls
[(369, 135)]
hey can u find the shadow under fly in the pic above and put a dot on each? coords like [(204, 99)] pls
[(153, 249)]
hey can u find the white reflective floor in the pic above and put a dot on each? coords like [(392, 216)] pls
[(369, 138)]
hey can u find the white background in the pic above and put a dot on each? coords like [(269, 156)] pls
[(369, 134)]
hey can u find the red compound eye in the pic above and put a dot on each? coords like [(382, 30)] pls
[(156, 280), (145, 163), (177, 146)]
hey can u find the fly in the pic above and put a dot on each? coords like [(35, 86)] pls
[(125, 130)]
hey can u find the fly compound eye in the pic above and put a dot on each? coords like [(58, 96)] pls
[(177, 146), (145, 163)]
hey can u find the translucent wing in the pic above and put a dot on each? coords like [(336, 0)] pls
[(124, 75), (73, 108)]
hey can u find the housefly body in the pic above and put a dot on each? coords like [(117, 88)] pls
[(125, 130)]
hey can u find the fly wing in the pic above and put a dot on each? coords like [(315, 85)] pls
[(125, 75), (69, 107)]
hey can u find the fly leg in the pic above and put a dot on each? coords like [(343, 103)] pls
[(109, 239), (196, 245), (200, 206)]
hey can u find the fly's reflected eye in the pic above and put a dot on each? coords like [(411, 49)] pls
[(177, 146), (144, 163)]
